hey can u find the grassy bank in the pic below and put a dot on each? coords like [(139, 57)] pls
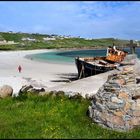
[(55, 44), (51, 117)]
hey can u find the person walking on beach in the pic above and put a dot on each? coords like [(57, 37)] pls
[(19, 69)]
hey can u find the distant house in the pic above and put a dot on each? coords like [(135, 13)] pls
[(19, 32), (49, 38), (10, 32), (28, 39), (61, 38), (2, 41), (66, 37), (88, 38), (11, 42)]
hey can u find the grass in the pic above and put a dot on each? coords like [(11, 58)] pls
[(55, 44), (32, 116)]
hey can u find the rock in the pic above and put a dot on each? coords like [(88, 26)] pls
[(60, 93), (107, 95), (136, 92), (76, 96), (130, 101), (6, 91), (121, 81), (43, 93), (114, 106), (119, 113), (109, 124), (100, 107), (53, 92), (138, 102), (123, 95), (116, 100), (114, 86), (101, 117), (36, 90), (25, 88), (127, 117), (89, 112), (115, 120), (135, 121), (127, 106), (117, 103), (135, 107), (87, 96), (136, 113), (128, 69)]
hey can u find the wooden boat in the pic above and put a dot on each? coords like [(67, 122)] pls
[(88, 66)]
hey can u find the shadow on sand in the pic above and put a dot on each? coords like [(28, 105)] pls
[(66, 77)]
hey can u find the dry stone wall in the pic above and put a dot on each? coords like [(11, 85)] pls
[(117, 103)]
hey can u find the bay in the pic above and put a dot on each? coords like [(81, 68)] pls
[(69, 56)]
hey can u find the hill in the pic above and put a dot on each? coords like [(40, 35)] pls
[(27, 41)]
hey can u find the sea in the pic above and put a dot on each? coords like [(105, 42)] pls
[(68, 56)]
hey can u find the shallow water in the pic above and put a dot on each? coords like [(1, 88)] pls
[(69, 56)]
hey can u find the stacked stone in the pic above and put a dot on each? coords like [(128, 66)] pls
[(117, 103)]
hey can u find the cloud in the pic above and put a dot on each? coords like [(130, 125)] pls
[(95, 19)]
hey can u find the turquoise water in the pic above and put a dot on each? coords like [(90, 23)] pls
[(69, 56)]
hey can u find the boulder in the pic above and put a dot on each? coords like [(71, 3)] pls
[(36, 90), (6, 91), (25, 88), (121, 81), (43, 93), (128, 69), (123, 95)]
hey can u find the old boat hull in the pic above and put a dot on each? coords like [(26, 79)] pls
[(88, 66), (86, 69)]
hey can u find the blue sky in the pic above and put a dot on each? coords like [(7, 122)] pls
[(92, 19)]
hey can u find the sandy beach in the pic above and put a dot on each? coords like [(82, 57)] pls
[(39, 74)]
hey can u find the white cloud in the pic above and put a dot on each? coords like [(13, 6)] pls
[(81, 18)]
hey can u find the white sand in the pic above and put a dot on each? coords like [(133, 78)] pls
[(41, 73)]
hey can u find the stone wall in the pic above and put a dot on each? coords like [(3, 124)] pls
[(117, 103)]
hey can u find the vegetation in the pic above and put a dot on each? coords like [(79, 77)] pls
[(49, 116), (57, 44)]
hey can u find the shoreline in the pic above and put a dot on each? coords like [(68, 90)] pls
[(37, 73), (33, 72), (48, 61), (29, 56), (60, 50)]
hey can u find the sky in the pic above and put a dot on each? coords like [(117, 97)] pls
[(88, 19)]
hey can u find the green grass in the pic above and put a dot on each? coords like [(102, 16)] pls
[(18, 36), (32, 116), (55, 44)]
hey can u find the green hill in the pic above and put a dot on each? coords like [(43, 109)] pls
[(60, 42)]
